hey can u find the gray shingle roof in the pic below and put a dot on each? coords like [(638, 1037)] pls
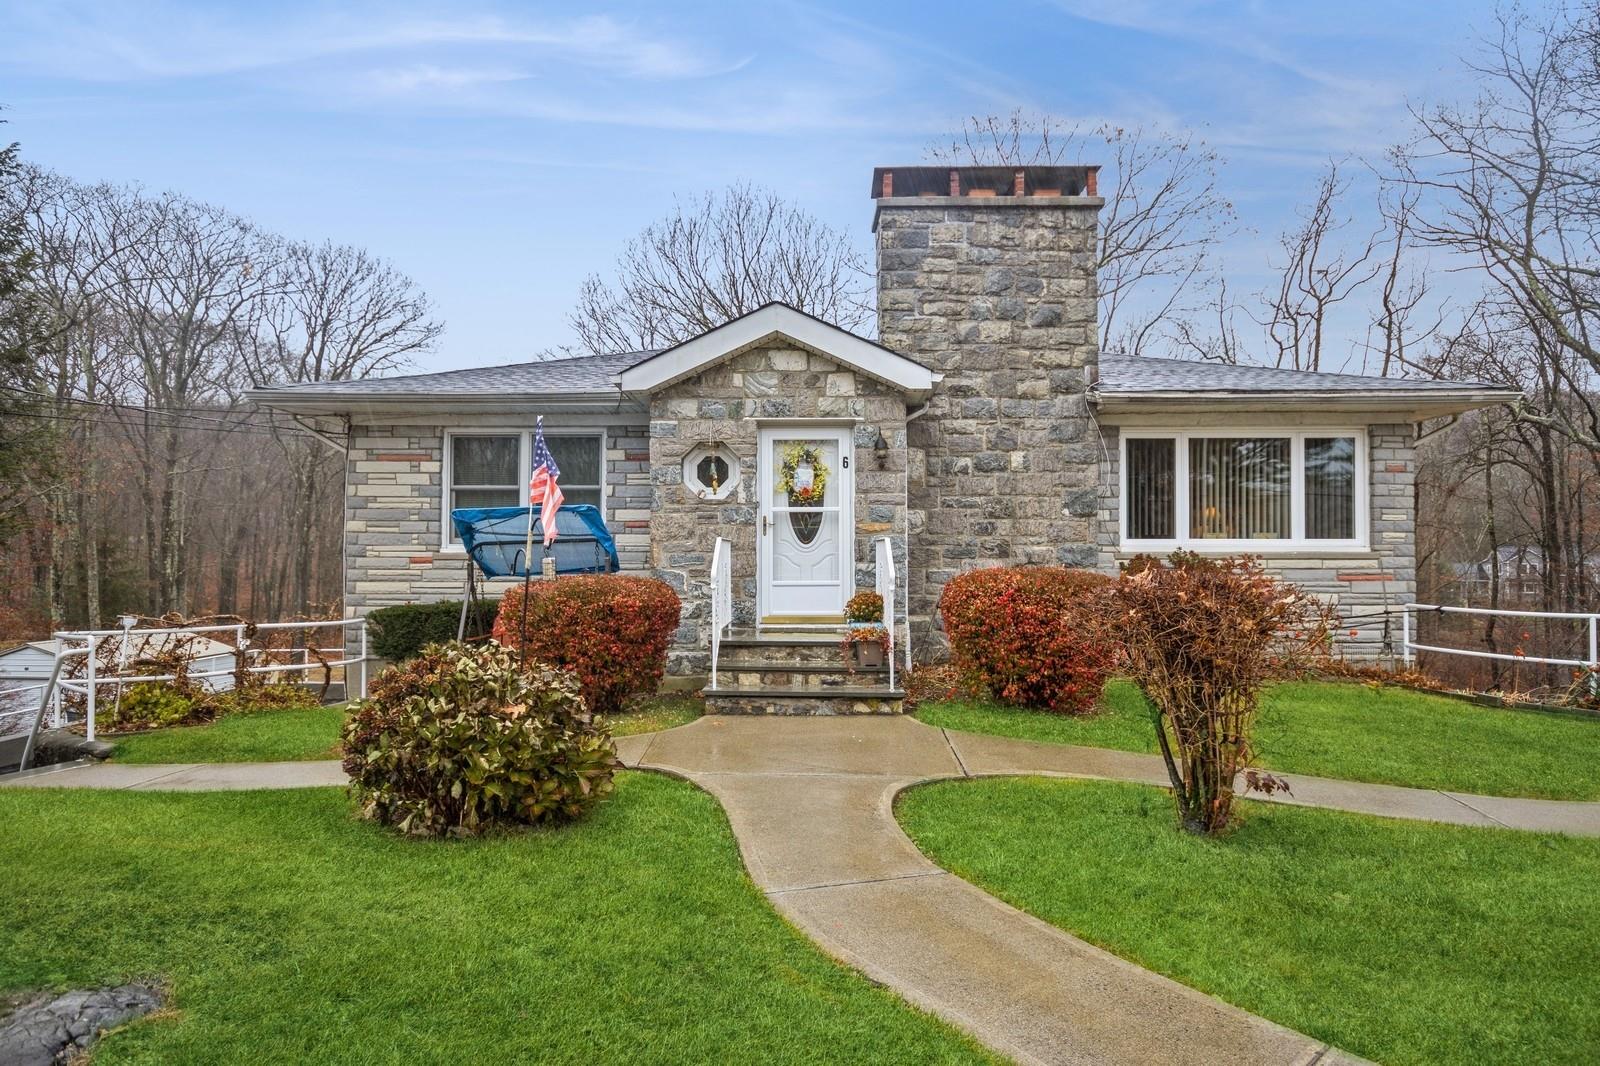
[(578, 374), (1123, 374)]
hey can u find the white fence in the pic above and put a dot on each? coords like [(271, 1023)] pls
[(251, 660), (1409, 647)]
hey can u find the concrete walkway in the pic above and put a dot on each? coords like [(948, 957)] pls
[(811, 804)]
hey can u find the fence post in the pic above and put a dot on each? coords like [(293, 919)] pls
[(1594, 654), (90, 684), (1405, 635), (362, 665)]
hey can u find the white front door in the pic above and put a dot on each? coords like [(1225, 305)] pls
[(804, 561)]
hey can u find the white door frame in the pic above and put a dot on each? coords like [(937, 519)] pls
[(768, 510)]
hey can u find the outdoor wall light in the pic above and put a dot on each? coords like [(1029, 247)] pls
[(880, 448)]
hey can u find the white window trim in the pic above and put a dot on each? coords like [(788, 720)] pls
[(1297, 514), (447, 541)]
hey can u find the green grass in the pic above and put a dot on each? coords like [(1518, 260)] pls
[(265, 736), (658, 712), (290, 932), (1347, 730), (285, 736), (1404, 942)]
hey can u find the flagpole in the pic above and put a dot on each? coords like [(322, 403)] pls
[(527, 571)]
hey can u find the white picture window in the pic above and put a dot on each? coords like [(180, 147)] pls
[(1238, 490), (492, 468)]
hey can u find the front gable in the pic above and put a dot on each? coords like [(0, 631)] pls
[(779, 325)]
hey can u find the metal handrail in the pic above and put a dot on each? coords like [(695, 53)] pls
[(89, 685), (721, 601), (885, 586), (1592, 663)]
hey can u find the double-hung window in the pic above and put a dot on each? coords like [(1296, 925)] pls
[(1232, 490), (491, 468)]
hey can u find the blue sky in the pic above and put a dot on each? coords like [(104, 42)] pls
[(498, 153)]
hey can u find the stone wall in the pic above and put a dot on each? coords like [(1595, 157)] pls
[(724, 404), (1001, 299), (1359, 583), (394, 513)]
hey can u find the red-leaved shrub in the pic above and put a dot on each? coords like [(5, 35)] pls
[(611, 630), (1031, 636)]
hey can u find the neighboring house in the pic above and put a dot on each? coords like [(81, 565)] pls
[(1521, 568), (981, 428)]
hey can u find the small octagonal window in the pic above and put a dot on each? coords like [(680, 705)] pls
[(711, 472)]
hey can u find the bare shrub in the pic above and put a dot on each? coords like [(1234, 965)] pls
[(1201, 637)]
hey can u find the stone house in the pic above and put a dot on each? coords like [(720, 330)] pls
[(982, 427)]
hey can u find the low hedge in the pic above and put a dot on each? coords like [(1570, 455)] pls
[(611, 630), (1031, 636), (399, 633)]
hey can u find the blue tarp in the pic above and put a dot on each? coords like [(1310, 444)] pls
[(496, 538)]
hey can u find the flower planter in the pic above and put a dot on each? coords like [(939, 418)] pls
[(868, 654)]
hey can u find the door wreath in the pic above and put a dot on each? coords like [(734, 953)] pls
[(803, 480)]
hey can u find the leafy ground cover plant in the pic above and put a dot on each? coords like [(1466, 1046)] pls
[(611, 630), (1201, 637), (1030, 636), (463, 739)]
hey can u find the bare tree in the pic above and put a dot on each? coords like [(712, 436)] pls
[(179, 295), (1318, 272), (332, 312), (716, 258), (1163, 219), (1511, 183), (1407, 319)]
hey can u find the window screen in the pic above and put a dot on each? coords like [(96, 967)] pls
[(483, 471), (1330, 488), (1152, 489)]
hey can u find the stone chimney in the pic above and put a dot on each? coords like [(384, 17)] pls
[(987, 275)]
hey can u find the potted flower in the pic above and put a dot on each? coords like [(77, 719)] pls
[(866, 640)]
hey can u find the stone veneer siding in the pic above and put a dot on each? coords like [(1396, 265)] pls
[(1359, 583), (1004, 464), (394, 512), (726, 404)]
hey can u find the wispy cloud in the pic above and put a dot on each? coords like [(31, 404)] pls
[(100, 42)]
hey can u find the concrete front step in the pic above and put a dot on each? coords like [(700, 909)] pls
[(779, 646), (794, 675), (805, 701)]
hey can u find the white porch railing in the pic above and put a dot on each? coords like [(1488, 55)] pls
[(73, 644), (1408, 647), (721, 601), (883, 549)]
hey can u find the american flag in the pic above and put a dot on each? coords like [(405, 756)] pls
[(543, 490)]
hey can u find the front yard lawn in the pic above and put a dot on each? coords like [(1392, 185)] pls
[(1404, 942), (288, 931), (1347, 730), (292, 736), (263, 736)]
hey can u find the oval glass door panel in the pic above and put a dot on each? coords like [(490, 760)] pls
[(806, 479)]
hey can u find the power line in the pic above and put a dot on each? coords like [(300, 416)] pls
[(263, 431), (175, 412)]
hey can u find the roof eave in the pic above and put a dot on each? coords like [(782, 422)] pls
[(338, 403), (1432, 403)]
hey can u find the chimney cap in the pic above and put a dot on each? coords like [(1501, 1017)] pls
[(985, 181)]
